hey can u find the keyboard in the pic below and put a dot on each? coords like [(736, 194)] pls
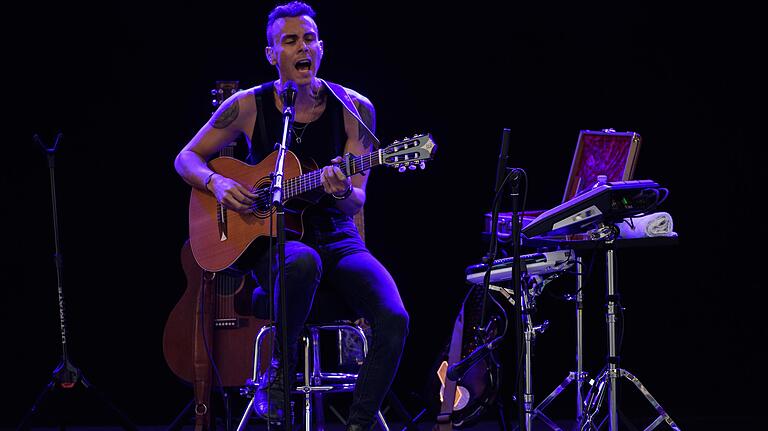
[(534, 264), (608, 202)]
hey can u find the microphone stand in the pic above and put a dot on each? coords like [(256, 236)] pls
[(492, 249), (457, 370), (66, 375), (503, 173), (289, 100)]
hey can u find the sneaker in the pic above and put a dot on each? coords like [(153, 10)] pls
[(270, 397)]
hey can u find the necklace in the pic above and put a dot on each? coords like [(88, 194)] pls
[(319, 100), (298, 132)]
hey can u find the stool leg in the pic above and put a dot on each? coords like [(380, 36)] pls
[(307, 393), (382, 421), (317, 380), (246, 416)]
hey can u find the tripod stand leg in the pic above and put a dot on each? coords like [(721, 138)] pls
[(544, 418), (538, 411), (411, 424), (549, 422), (545, 402), (177, 423), (38, 401), (246, 415), (663, 416), (127, 424)]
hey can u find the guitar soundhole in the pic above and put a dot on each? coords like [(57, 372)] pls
[(262, 207)]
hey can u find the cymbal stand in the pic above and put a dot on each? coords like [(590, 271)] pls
[(608, 379), (577, 376)]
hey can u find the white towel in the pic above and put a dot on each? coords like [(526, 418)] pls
[(656, 224)]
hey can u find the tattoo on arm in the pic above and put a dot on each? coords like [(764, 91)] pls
[(368, 115), (224, 117)]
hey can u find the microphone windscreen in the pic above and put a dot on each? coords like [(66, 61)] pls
[(289, 94)]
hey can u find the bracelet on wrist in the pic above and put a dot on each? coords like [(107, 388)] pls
[(346, 194), (208, 180)]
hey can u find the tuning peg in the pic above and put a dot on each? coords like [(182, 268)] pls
[(401, 168), (214, 92), (422, 165), (412, 167), (215, 102)]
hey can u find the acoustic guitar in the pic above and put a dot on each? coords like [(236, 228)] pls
[(219, 236), (230, 335)]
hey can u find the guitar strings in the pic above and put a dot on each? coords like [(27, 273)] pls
[(312, 180)]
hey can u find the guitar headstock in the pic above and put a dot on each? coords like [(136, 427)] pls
[(222, 91), (410, 153)]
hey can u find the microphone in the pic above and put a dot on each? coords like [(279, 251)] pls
[(288, 95), (501, 169), (457, 370)]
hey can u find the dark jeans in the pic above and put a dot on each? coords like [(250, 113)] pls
[(332, 256)]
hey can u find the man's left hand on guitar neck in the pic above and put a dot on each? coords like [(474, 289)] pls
[(349, 198)]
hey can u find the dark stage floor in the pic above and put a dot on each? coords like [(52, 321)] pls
[(694, 424)]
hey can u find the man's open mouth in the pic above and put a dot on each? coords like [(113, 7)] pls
[(303, 65)]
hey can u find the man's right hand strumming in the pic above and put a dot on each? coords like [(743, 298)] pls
[(230, 193)]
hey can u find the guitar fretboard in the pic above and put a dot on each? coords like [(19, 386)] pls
[(312, 180)]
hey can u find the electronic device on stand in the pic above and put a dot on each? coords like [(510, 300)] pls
[(604, 154), (599, 189)]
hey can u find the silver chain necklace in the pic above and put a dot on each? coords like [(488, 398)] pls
[(298, 132)]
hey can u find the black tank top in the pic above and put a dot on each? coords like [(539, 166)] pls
[(321, 141)]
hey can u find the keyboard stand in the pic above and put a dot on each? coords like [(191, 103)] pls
[(613, 373), (607, 380)]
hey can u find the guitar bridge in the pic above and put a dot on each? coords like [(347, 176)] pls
[(226, 323), (230, 323), (221, 216)]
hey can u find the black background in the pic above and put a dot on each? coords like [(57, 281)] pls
[(128, 85)]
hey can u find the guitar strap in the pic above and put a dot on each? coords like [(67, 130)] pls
[(341, 94), (449, 392), (203, 375)]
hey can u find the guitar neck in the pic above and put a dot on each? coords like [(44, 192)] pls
[(312, 180)]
